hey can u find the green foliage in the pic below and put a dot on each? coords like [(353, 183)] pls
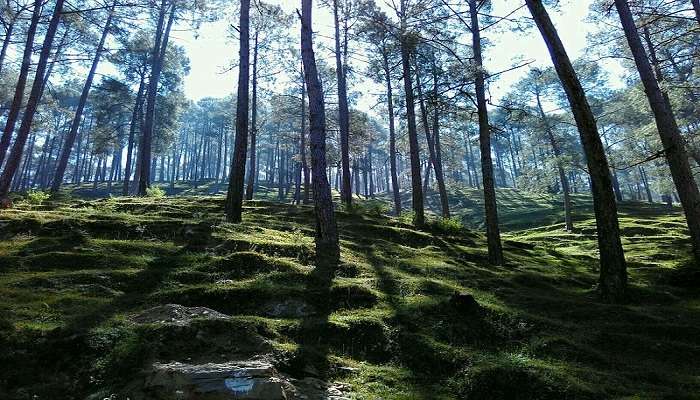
[(37, 197), (155, 192), (451, 226)]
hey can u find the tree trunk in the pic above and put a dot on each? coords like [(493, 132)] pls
[(252, 172), (493, 233), (666, 123), (32, 104), (327, 248), (73, 132), (234, 199), (414, 150), (16, 105), (613, 269), (304, 164), (343, 113), (159, 49), (6, 43), (439, 174), (429, 138), (569, 221), (696, 7), (392, 133)]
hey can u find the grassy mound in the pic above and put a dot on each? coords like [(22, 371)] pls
[(75, 272)]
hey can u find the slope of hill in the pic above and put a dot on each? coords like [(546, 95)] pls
[(130, 296)]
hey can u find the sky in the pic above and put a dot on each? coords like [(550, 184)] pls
[(211, 51)]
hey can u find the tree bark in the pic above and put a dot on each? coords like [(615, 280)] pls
[(439, 174), (430, 140), (6, 43), (16, 105), (343, 114), (73, 132), (32, 104), (159, 49), (568, 218), (250, 189), (674, 146), (493, 233), (414, 149), (613, 269), (392, 133), (234, 199), (327, 248)]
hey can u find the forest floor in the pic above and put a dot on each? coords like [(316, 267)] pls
[(80, 279)]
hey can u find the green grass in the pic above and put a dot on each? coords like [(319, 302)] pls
[(74, 271)]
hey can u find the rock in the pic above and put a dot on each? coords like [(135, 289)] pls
[(233, 380), (290, 308), (175, 314), (465, 303)]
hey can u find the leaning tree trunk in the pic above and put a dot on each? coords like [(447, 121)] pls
[(433, 159), (252, 172), (73, 132), (234, 199), (674, 146), (696, 7), (6, 43), (343, 114), (439, 174), (327, 248), (568, 219), (16, 105), (392, 134), (493, 233), (613, 269), (159, 49), (32, 104)]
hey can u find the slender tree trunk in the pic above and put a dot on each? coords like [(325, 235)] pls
[(613, 269), (304, 164), (158, 54), (414, 149), (392, 133), (6, 43), (343, 113), (439, 174), (429, 138), (32, 104), (674, 146), (696, 7), (135, 118), (569, 221), (16, 105), (493, 233), (234, 199), (253, 125), (327, 247), (73, 132)]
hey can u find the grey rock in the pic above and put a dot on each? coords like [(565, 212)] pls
[(290, 308), (233, 380), (175, 314)]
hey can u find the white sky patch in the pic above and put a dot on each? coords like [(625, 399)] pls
[(212, 51)]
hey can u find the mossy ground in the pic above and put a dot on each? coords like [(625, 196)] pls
[(73, 271)]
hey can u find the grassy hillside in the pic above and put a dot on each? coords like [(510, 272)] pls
[(77, 276)]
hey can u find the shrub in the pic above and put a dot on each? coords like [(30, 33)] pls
[(448, 225), (155, 192), (37, 197)]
